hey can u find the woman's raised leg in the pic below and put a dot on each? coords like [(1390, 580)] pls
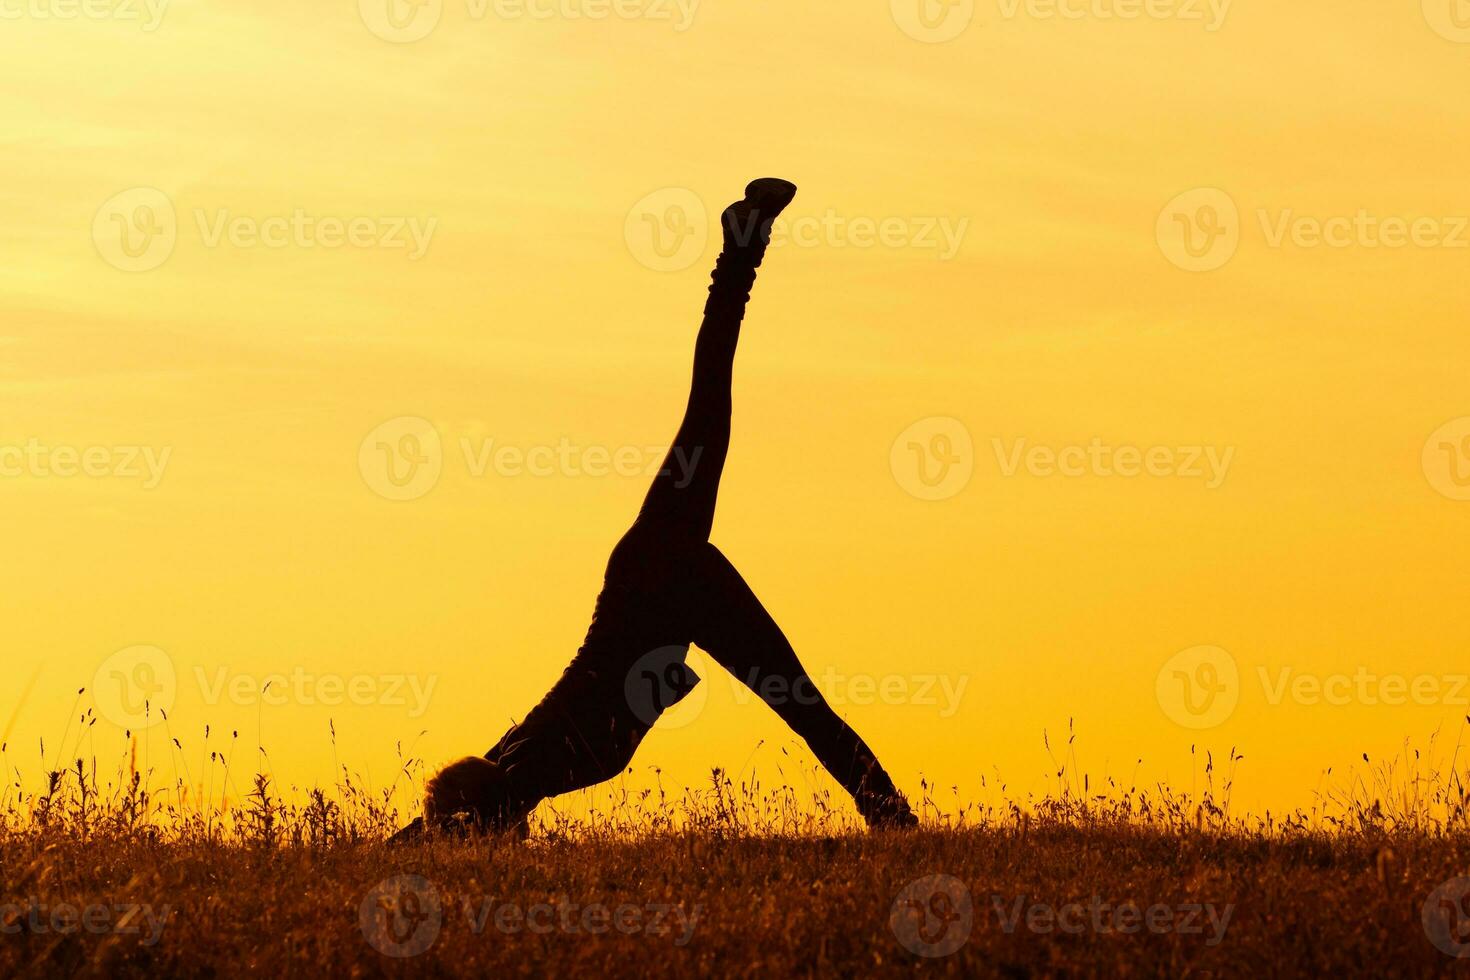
[(682, 498)]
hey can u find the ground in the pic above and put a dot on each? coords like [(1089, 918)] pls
[(1030, 899)]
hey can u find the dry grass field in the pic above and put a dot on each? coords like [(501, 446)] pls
[(116, 881), (1046, 901)]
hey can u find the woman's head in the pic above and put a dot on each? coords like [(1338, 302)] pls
[(472, 790)]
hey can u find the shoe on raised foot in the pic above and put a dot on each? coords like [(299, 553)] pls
[(747, 223)]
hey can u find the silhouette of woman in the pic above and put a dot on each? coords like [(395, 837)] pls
[(666, 587)]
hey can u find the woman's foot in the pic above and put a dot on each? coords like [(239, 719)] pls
[(747, 223), (886, 811)]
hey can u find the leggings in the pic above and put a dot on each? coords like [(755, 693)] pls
[(666, 587)]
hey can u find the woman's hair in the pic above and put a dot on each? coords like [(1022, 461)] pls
[(472, 786)]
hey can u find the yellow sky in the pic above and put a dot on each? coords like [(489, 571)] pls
[(1028, 172)]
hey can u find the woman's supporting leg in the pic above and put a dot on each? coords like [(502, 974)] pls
[(682, 498), (736, 630)]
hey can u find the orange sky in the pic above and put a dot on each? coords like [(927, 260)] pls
[(1091, 340)]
